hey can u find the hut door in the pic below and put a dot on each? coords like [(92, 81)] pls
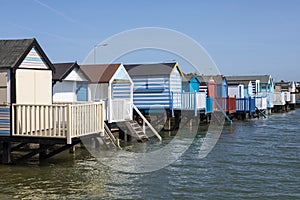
[(33, 86), (81, 92)]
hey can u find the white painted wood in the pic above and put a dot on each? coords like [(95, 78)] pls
[(76, 75), (146, 121), (64, 91), (33, 60), (58, 121), (279, 98), (293, 99), (33, 86), (3, 87)]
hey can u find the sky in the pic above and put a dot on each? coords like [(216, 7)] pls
[(242, 37)]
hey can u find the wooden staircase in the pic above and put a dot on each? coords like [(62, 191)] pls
[(108, 139), (133, 129)]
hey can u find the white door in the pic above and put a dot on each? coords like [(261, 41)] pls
[(33, 86)]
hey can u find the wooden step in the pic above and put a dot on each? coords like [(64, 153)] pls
[(134, 130)]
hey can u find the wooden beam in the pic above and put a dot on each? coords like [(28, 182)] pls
[(61, 149)]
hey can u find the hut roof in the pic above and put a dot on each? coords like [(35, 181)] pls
[(63, 70), (13, 52), (100, 73), (217, 78), (151, 69), (264, 79), (237, 82)]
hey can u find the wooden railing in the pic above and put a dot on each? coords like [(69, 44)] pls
[(57, 121), (293, 99), (119, 110), (261, 102), (287, 96), (246, 104), (228, 104), (147, 122), (193, 101), (279, 98)]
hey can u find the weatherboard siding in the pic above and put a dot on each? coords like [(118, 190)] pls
[(151, 91), (33, 61), (121, 90), (4, 121), (176, 88)]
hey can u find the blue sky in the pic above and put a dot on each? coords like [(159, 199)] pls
[(242, 37)]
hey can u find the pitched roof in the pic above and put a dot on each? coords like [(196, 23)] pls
[(237, 82), (100, 73), (189, 77), (13, 52), (264, 79), (150, 69), (217, 78), (63, 70)]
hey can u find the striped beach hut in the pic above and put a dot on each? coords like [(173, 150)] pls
[(156, 86), (70, 84), (112, 84), (262, 89), (25, 77)]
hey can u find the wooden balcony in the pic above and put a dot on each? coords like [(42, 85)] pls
[(246, 105), (228, 104), (65, 121)]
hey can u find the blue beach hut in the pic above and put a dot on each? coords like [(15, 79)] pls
[(156, 86)]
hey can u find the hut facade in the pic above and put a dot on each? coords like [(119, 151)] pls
[(70, 84), (25, 77), (111, 84), (156, 86), (192, 98)]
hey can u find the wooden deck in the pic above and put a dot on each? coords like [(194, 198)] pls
[(64, 121)]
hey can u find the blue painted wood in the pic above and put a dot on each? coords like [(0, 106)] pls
[(194, 84), (4, 121), (152, 92), (82, 92), (209, 104), (121, 90), (245, 105)]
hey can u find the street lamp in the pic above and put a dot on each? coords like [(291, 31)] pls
[(95, 48)]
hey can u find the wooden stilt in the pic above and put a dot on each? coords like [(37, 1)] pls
[(6, 155), (72, 149)]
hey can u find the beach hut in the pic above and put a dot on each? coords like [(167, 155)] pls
[(112, 84), (191, 83), (27, 114), (218, 90), (156, 86), (288, 89), (25, 77), (243, 92), (70, 84), (238, 88), (192, 98), (263, 87)]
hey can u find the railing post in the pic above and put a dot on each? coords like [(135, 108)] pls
[(195, 103), (69, 124), (13, 120), (172, 103)]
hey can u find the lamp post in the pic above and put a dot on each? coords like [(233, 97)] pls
[(95, 48)]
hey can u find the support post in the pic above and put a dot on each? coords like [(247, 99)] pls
[(6, 155), (69, 125)]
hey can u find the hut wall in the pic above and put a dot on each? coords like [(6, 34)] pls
[(4, 92), (176, 88)]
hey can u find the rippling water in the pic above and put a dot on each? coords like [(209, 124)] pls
[(257, 159)]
